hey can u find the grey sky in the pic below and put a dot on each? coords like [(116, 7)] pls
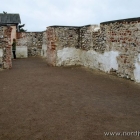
[(38, 14)]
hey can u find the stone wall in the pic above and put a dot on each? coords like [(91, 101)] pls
[(74, 45), (59, 38), (112, 47), (86, 37), (51, 46), (33, 41), (124, 37), (5, 47)]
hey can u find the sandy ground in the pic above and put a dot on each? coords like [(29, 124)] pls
[(40, 102)]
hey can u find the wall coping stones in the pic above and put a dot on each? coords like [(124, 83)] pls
[(122, 20), (57, 26)]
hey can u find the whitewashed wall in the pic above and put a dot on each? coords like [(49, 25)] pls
[(68, 56), (110, 47), (1, 55), (91, 59), (137, 70), (95, 60), (21, 52), (44, 51)]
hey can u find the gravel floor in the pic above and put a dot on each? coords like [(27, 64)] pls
[(40, 102)]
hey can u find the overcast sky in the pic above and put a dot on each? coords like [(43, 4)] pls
[(38, 14)]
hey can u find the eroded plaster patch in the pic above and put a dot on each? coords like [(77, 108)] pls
[(21, 52), (137, 70), (68, 56), (104, 62)]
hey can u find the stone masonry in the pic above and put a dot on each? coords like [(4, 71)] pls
[(5, 47), (58, 38), (112, 47), (123, 36), (33, 41)]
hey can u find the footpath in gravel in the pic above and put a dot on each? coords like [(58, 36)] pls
[(41, 102)]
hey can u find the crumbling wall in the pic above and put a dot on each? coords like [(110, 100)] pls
[(93, 52), (33, 41), (5, 47), (2, 44), (77, 46), (124, 37), (112, 47), (116, 48), (86, 37), (62, 42), (51, 46)]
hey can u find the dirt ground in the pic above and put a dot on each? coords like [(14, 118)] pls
[(40, 102)]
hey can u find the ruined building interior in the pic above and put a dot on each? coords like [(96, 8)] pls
[(112, 47)]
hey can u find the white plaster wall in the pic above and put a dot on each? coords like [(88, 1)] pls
[(21, 51), (68, 56), (44, 51), (1, 52), (91, 59), (137, 70), (1, 55), (104, 62)]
